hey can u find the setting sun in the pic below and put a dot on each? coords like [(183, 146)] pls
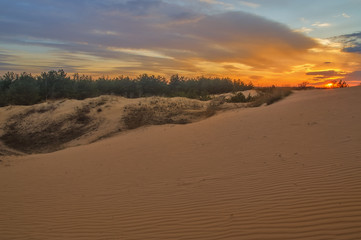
[(329, 85)]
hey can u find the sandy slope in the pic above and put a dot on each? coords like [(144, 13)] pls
[(58, 124), (287, 171)]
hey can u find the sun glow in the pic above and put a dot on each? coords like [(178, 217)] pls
[(330, 85)]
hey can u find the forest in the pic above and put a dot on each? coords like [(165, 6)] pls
[(26, 89)]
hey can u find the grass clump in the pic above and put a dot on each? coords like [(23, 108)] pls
[(213, 106), (270, 95), (137, 116), (240, 98), (158, 111)]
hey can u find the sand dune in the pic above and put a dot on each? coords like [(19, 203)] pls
[(58, 124), (286, 171)]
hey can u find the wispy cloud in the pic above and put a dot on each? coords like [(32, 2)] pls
[(321, 25), (304, 30), (250, 4), (345, 15)]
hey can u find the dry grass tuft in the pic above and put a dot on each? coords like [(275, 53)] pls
[(160, 111), (136, 116), (269, 96), (213, 107)]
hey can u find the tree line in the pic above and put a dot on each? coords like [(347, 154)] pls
[(25, 89)]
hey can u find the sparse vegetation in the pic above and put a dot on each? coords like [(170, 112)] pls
[(137, 116), (214, 106), (304, 86), (160, 111), (270, 95), (341, 84), (240, 98)]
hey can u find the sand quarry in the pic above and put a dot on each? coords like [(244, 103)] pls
[(291, 170)]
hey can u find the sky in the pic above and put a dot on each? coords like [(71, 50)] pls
[(267, 42)]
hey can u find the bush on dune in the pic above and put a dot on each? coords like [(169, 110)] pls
[(240, 98), (270, 95)]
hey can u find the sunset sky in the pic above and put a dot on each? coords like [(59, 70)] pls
[(281, 42)]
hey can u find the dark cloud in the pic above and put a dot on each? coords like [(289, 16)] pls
[(326, 74), (169, 28), (330, 73), (352, 42), (355, 49)]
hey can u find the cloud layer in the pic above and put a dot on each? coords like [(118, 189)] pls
[(326, 74), (148, 34)]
